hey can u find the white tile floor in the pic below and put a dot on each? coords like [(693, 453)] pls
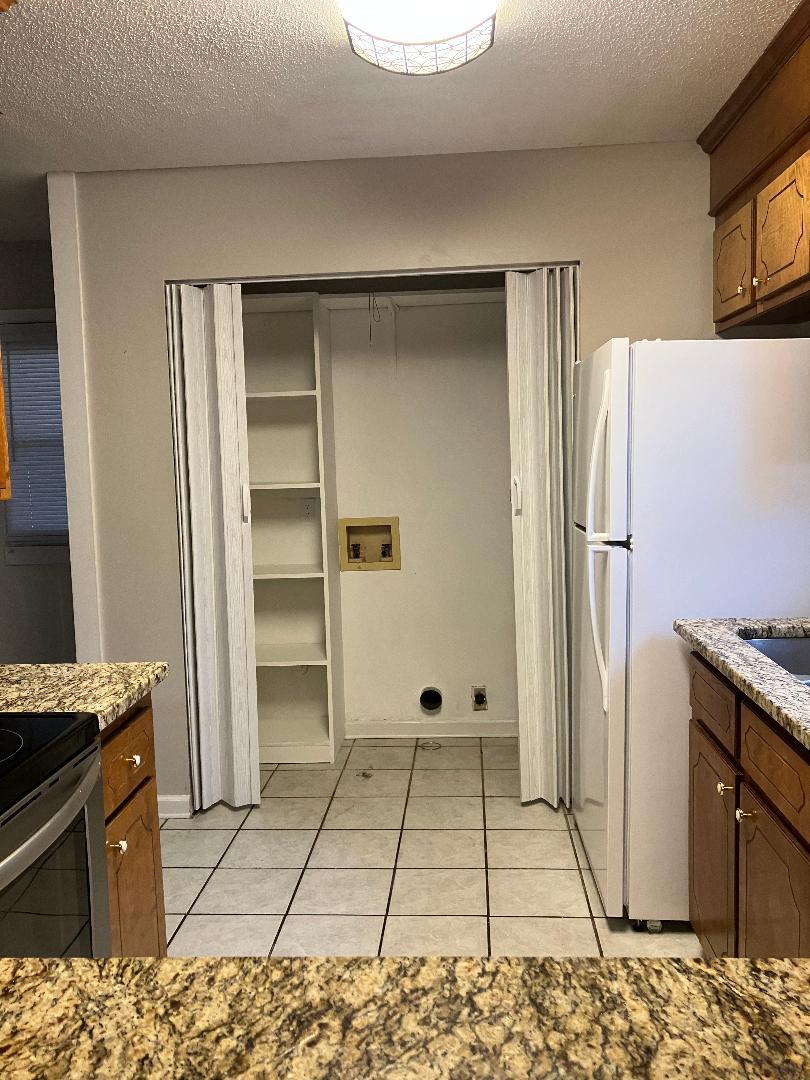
[(394, 850)]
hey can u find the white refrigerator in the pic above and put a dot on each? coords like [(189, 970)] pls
[(691, 498)]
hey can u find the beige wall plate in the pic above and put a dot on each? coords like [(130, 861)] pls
[(370, 543)]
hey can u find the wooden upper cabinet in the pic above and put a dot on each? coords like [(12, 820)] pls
[(733, 258), (759, 149), (5, 461), (783, 229)]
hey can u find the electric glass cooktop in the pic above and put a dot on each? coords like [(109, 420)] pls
[(33, 746)]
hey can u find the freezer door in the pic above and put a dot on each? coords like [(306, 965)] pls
[(598, 678), (601, 408)]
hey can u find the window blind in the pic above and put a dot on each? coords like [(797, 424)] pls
[(37, 510)]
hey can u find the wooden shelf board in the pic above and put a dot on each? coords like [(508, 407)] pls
[(271, 571), (289, 740), (307, 485), (294, 753), (258, 395), (305, 654)]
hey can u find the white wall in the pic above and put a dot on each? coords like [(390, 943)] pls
[(422, 432), (635, 216)]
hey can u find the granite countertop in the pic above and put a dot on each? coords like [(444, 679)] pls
[(723, 643), (107, 690), (404, 1018)]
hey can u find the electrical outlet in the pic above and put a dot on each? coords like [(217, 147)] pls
[(479, 699), (309, 509)]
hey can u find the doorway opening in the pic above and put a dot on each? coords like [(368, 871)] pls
[(434, 419)]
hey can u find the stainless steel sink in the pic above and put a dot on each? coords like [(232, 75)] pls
[(791, 653)]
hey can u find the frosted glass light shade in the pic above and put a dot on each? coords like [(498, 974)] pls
[(419, 37)]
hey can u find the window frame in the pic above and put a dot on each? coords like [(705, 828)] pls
[(16, 552)]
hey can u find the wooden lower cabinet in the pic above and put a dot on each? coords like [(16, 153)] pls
[(134, 866), (135, 877), (774, 884), (749, 842), (712, 845)]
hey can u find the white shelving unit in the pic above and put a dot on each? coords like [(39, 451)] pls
[(293, 530)]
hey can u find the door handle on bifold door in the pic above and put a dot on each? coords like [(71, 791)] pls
[(600, 427), (593, 551), (517, 495)]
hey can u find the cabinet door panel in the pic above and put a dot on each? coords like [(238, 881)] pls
[(783, 230), (733, 259), (712, 845), (135, 877), (774, 885)]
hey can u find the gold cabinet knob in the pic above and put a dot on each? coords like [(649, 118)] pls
[(134, 761), (121, 846), (721, 787), (740, 290), (740, 814), (757, 281)]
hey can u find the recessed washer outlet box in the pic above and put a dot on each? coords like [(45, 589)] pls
[(369, 543), (479, 699)]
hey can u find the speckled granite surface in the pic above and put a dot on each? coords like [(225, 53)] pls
[(403, 1019), (105, 689), (723, 643)]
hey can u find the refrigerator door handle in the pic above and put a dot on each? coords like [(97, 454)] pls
[(593, 551), (599, 428)]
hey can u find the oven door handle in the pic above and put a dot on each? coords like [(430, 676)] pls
[(38, 842)]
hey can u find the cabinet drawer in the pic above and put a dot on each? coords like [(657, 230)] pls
[(713, 702), (779, 771), (127, 759)]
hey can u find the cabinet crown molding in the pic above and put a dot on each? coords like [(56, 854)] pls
[(792, 35)]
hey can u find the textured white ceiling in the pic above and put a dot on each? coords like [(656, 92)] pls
[(129, 84)]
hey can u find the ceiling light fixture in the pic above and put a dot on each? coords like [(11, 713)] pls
[(419, 37)]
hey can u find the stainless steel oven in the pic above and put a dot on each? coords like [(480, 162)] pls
[(53, 885)]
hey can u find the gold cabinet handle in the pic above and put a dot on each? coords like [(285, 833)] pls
[(757, 281), (134, 761), (721, 787), (740, 290), (740, 814), (121, 846)]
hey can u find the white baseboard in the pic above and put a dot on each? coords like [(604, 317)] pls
[(429, 729), (174, 806)]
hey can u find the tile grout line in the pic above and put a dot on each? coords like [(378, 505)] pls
[(582, 883), (486, 849), (185, 915), (309, 854), (211, 874), (399, 845)]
